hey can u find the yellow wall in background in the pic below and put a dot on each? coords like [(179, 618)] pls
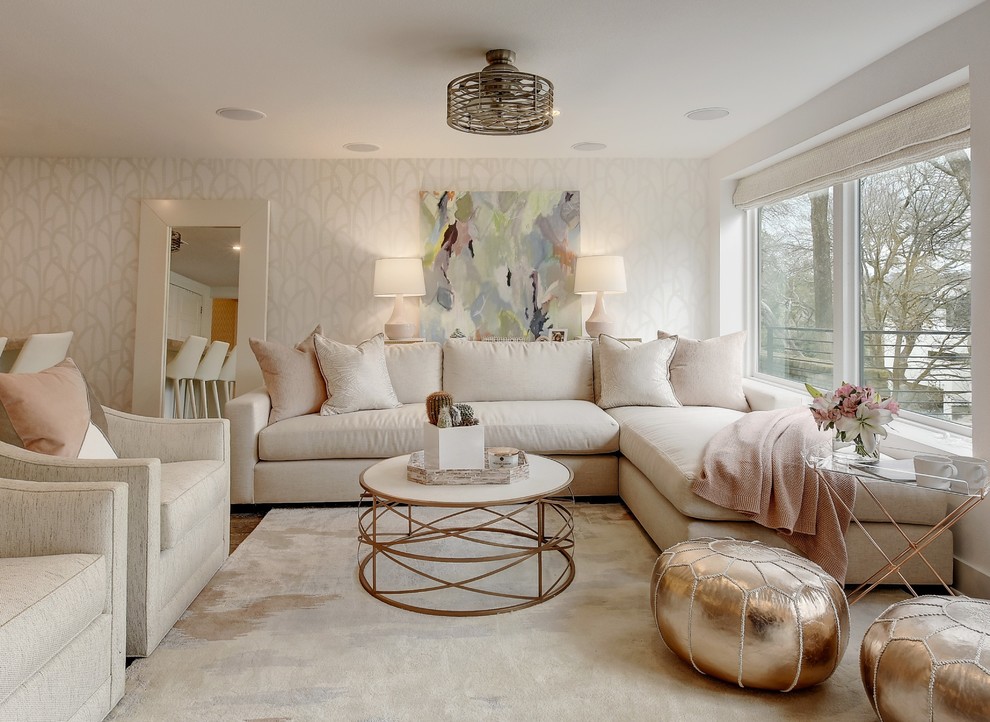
[(224, 326)]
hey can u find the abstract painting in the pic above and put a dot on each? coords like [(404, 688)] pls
[(499, 263)]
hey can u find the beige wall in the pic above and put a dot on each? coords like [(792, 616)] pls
[(68, 239)]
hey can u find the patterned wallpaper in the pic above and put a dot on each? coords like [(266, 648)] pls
[(69, 229)]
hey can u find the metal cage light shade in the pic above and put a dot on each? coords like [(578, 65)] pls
[(500, 100)]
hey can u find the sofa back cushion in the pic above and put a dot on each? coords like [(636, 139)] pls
[(518, 370), (416, 370)]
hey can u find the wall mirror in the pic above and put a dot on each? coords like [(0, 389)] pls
[(249, 220)]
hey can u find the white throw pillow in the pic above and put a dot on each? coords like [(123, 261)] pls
[(635, 375), (95, 445), (709, 372), (356, 376)]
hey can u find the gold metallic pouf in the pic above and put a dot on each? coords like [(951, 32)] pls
[(928, 658), (749, 613)]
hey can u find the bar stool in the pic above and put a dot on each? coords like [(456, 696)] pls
[(41, 351), (181, 369), (209, 371), (224, 385)]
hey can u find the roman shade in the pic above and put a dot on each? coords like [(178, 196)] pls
[(926, 130)]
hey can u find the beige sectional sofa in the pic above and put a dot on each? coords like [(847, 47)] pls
[(541, 397)]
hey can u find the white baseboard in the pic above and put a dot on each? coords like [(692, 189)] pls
[(971, 581)]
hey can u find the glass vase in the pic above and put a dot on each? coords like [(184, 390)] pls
[(853, 451)]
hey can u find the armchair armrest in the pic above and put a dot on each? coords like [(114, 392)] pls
[(766, 397), (144, 488), (136, 437), (248, 415)]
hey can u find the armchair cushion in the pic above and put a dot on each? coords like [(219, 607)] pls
[(53, 412), (47, 602), (190, 491)]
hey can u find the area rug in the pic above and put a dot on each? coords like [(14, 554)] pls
[(285, 631)]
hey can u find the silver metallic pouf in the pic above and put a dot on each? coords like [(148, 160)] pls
[(749, 613), (928, 658)]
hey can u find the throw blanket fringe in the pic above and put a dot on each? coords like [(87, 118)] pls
[(756, 466)]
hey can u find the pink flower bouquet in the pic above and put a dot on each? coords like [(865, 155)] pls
[(857, 413)]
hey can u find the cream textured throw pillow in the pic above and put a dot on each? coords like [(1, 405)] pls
[(357, 376), (635, 375), (709, 372), (292, 376)]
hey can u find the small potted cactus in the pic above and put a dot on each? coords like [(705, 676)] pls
[(452, 436)]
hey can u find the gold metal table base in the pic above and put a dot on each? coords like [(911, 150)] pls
[(490, 542), (913, 547)]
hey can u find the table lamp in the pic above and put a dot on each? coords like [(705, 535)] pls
[(600, 275), (399, 277)]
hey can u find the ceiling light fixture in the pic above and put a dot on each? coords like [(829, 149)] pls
[(240, 114), (361, 147), (500, 100), (588, 147), (176, 242), (707, 113)]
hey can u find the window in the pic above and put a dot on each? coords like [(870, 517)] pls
[(911, 335), (915, 280), (795, 280)]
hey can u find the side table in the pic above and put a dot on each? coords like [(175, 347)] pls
[(895, 471)]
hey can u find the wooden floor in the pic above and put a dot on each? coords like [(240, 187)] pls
[(243, 523)]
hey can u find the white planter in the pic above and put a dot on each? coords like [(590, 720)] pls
[(459, 447)]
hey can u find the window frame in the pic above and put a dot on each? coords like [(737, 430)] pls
[(846, 305)]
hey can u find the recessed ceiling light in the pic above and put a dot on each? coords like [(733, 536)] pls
[(240, 114), (235, 248), (707, 113), (361, 147), (587, 147)]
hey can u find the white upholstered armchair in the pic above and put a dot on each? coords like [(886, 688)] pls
[(178, 477), (63, 557)]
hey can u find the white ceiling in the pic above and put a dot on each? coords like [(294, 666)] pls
[(144, 78)]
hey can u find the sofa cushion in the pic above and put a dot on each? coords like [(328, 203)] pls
[(548, 427), (190, 491), (416, 370), (46, 602), (357, 376), (709, 372), (636, 375), (358, 435), (517, 370), (667, 445), (292, 376)]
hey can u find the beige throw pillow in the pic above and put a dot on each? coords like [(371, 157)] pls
[(709, 372), (53, 412), (635, 375), (356, 376), (292, 376)]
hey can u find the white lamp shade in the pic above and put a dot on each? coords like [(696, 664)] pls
[(605, 274), (399, 277)]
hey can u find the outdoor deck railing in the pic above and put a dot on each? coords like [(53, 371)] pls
[(927, 371)]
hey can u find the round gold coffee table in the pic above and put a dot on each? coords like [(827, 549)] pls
[(465, 550)]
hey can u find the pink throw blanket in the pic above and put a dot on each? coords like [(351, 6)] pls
[(755, 466)]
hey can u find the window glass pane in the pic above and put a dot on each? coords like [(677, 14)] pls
[(915, 268), (795, 287)]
